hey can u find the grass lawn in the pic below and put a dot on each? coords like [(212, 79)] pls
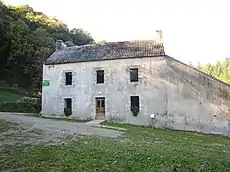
[(12, 100), (141, 149), (7, 96)]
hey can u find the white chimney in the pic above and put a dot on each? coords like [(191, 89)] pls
[(60, 45), (159, 36)]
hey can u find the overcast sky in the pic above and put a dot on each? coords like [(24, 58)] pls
[(193, 30)]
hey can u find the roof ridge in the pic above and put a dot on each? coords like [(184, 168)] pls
[(108, 51), (116, 42)]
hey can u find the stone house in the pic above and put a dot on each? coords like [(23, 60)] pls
[(128, 81)]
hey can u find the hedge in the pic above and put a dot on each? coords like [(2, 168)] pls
[(20, 107)]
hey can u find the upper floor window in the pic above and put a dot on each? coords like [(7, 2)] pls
[(100, 76), (68, 78), (134, 75)]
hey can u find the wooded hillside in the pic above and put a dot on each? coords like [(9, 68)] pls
[(27, 37), (220, 70)]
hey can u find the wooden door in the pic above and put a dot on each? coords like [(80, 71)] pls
[(100, 108)]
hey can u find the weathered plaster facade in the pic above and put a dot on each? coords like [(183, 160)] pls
[(181, 97)]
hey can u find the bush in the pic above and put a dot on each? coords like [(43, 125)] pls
[(67, 111), (135, 110), (13, 91), (20, 107), (31, 100)]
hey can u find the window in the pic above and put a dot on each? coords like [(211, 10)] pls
[(98, 103), (100, 76), (68, 103), (68, 107), (68, 78), (134, 103), (134, 75), (103, 103)]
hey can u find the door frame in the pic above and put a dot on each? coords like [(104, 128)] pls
[(100, 115)]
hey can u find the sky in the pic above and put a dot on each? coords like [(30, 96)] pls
[(196, 31)]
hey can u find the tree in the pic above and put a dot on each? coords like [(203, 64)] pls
[(220, 70), (209, 69), (27, 38), (101, 42), (80, 37), (44, 46), (20, 49)]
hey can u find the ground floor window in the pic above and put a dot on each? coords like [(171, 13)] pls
[(68, 106), (135, 107)]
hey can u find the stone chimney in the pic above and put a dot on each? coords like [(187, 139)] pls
[(60, 45), (159, 36)]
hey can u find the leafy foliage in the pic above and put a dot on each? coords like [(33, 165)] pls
[(67, 111), (135, 110), (27, 38), (15, 100), (220, 70), (24, 107), (80, 37)]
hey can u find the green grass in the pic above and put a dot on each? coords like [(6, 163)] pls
[(141, 149), (11, 95), (7, 96), (12, 100)]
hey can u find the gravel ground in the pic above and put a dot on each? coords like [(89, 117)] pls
[(35, 130)]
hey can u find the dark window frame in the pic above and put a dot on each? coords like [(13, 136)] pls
[(134, 102), (103, 103), (134, 77), (98, 103), (100, 76), (68, 103), (68, 78)]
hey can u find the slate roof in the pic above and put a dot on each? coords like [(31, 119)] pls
[(107, 51)]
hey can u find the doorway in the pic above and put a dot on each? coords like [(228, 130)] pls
[(100, 107)]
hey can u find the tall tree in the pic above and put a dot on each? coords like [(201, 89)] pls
[(80, 37), (27, 38), (220, 70), (20, 49)]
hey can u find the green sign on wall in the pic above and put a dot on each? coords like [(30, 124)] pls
[(45, 83)]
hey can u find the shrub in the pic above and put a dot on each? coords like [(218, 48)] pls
[(30, 105), (31, 100), (67, 111), (19, 107), (135, 110)]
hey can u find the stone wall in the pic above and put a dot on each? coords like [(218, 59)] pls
[(117, 89), (181, 97), (199, 101), (211, 89)]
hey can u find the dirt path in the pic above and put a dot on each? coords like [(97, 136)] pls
[(34, 130)]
